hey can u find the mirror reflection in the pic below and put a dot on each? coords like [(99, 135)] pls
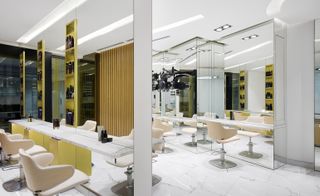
[(317, 95)]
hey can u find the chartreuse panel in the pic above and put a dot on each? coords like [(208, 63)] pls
[(17, 129), (54, 149), (36, 137), (83, 160)]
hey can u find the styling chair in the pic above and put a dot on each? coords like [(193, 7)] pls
[(251, 132), (167, 132), (222, 136), (89, 125), (11, 149), (45, 180), (192, 130), (240, 116)]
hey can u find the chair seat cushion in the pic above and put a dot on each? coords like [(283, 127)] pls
[(189, 130), (125, 161), (232, 139), (248, 133), (170, 133), (36, 149), (76, 179)]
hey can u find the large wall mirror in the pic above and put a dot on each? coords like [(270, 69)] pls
[(317, 95)]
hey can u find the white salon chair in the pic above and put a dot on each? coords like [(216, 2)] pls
[(167, 132), (89, 125), (11, 149), (191, 130), (222, 136), (50, 180), (12, 137), (251, 132)]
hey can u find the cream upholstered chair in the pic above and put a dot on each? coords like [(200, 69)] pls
[(192, 130), (222, 136), (239, 116), (63, 122), (50, 180), (167, 132), (89, 125), (12, 137), (251, 132), (11, 149)]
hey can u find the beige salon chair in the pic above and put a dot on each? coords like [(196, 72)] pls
[(89, 125), (251, 132), (12, 137), (11, 149), (239, 116), (222, 136), (63, 122), (191, 129), (50, 180), (167, 132)]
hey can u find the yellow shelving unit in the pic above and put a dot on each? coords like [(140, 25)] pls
[(242, 90), (41, 79), (22, 62), (71, 76), (269, 88)]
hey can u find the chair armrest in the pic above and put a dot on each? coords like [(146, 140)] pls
[(15, 136), (50, 176), (43, 159), (15, 145)]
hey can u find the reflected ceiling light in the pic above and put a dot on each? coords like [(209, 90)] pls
[(317, 40), (248, 50), (178, 24), (191, 62), (245, 63), (257, 68), (222, 28), (103, 31), (250, 37), (55, 15), (204, 78)]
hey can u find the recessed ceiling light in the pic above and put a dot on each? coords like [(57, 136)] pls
[(248, 50), (250, 37), (103, 31), (222, 28), (178, 24), (55, 15), (190, 49), (248, 62)]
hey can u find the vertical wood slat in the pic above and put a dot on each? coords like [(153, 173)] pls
[(116, 90)]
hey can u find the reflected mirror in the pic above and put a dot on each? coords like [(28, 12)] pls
[(317, 96)]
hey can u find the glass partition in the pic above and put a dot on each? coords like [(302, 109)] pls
[(317, 96)]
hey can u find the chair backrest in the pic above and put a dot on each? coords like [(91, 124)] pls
[(89, 125), (218, 132), (255, 119), (166, 127), (63, 121), (11, 147)]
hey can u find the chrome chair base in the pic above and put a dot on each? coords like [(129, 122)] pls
[(191, 144), (204, 141), (167, 150), (14, 185), (252, 155), (123, 189), (222, 164)]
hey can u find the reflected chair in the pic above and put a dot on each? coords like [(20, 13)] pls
[(47, 180), (167, 132), (192, 130), (89, 125), (222, 136), (63, 122), (239, 116), (11, 149), (251, 132)]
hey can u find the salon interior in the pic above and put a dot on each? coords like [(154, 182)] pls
[(225, 99)]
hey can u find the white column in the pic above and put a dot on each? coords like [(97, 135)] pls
[(142, 97)]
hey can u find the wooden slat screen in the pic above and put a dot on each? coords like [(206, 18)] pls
[(116, 90)]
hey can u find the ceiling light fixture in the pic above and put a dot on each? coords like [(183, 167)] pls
[(250, 37), (191, 62), (248, 50), (104, 30), (178, 24), (55, 15), (248, 62), (317, 40), (204, 77), (222, 28), (257, 68)]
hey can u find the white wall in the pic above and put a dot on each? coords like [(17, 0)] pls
[(300, 92), (256, 91)]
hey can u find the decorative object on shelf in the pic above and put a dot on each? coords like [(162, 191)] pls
[(71, 76), (41, 79), (242, 90), (22, 62), (269, 87), (56, 123), (30, 118), (104, 137)]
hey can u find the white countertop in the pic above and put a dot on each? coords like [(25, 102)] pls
[(82, 138)]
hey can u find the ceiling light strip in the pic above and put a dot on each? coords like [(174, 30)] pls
[(245, 63), (55, 15), (178, 24), (248, 50)]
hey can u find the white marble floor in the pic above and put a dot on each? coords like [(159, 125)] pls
[(189, 174)]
